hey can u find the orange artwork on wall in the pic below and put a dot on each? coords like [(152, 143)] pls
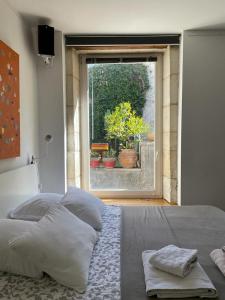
[(9, 103)]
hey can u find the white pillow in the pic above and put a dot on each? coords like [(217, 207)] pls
[(85, 196), (10, 261), (36, 207), (61, 245), (85, 206)]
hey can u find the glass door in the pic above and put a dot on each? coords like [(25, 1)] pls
[(121, 125)]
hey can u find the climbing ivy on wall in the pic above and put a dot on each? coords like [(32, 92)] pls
[(110, 85)]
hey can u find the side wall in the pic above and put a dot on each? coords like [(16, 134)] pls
[(203, 119), (18, 36), (51, 98)]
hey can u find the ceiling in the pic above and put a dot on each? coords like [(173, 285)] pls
[(123, 16)]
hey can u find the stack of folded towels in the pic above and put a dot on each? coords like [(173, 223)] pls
[(173, 272)]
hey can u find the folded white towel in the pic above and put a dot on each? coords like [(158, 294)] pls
[(218, 256), (174, 260), (165, 285)]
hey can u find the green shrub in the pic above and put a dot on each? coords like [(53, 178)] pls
[(111, 153), (114, 84), (94, 154)]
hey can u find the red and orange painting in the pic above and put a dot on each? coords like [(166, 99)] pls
[(9, 103)]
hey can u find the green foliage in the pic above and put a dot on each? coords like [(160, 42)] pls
[(94, 154), (124, 124), (109, 154), (112, 84)]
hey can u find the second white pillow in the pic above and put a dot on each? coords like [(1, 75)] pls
[(85, 206)]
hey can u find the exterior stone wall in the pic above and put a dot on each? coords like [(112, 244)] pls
[(137, 179), (149, 108)]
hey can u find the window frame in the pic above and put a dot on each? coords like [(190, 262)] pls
[(84, 109)]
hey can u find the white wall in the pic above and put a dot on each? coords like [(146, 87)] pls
[(203, 119), (17, 36), (41, 102), (51, 98)]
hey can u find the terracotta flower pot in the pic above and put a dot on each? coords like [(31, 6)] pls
[(109, 163), (128, 158), (94, 163), (150, 137)]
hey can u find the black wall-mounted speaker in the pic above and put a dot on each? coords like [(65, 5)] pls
[(46, 40)]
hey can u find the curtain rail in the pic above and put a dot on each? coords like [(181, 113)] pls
[(112, 40)]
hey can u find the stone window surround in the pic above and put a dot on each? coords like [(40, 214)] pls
[(73, 117), (170, 120)]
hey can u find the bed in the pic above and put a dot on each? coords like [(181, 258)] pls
[(116, 270), (198, 227)]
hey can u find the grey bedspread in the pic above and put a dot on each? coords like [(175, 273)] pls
[(143, 228)]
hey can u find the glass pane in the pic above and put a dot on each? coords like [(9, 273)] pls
[(122, 126)]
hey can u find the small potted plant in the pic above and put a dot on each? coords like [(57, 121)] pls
[(109, 159), (123, 124), (95, 159)]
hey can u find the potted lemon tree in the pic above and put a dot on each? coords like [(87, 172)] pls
[(123, 124)]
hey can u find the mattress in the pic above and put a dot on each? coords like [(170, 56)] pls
[(143, 228), (104, 272)]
